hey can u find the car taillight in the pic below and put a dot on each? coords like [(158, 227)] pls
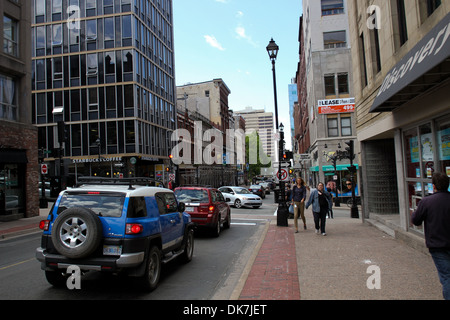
[(133, 228), (211, 209), (44, 225)]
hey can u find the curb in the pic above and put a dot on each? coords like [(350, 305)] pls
[(244, 276)]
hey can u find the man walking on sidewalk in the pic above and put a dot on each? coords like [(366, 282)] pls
[(434, 210)]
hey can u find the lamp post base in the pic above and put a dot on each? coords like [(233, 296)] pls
[(354, 213), (282, 216)]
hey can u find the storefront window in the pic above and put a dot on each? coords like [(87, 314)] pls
[(443, 145), (415, 194), (341, 187), (11, 188), (412, 154), (426, 145), (420, 165)]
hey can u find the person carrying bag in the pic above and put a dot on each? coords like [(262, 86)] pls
[(298, 202)]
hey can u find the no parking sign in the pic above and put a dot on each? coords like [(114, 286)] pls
[(283, 175)]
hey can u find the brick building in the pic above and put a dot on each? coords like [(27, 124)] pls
[(19, 170)]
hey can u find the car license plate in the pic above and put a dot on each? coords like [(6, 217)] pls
[(189, 209), (112, 250)]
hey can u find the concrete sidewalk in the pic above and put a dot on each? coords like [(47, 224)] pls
[(23, 226), (336, 266)]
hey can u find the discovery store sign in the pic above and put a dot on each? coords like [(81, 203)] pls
[(424, 67)]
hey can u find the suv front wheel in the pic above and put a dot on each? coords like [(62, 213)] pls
[(188, 246)]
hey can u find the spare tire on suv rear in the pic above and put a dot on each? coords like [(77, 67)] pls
[(77, 232)]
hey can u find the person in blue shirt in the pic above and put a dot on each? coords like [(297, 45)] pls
[(320, 199)]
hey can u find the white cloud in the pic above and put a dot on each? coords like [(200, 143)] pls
[(241, 34), (222, 1), (212, 41)]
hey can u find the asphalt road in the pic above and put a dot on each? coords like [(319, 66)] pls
[(213, 273)]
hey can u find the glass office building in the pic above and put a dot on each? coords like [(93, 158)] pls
[(104, 68)]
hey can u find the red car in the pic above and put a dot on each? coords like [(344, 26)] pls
[(207, 206)]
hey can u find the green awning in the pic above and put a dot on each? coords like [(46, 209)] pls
[(339, 167)]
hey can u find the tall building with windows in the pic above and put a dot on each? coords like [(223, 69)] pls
[(104, 70), (293, 101), (329, 96), (263, 123), (19, 173), (401, 63)]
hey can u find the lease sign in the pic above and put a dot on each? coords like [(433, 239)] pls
[(336, 106)]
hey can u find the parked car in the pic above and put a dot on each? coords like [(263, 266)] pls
[(108, 226), (258, 190), (240, 196), (207, 207)]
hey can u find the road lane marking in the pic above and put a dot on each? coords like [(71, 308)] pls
[(16, 264)]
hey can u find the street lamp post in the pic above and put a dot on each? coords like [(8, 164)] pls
[(282, 212)]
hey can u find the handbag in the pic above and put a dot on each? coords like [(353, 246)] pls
[(291, 209)]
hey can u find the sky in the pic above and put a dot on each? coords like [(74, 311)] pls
[(227, 39)]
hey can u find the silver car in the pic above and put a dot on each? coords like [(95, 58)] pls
[(240, 196)]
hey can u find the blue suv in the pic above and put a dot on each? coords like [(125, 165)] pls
[(125, 226)]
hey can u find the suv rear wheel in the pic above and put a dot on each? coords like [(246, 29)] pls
[(56, 278), (152, 273), (77, 232), (216, 229)]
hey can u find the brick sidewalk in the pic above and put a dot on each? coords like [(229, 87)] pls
[(274, 275)]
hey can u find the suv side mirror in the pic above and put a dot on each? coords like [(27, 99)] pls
[(181, 207)]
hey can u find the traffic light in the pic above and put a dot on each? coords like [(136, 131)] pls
[(334, 161), (62, 132), (289, 155), (350, 149)]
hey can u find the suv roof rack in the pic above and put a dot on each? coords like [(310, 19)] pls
[(139, 181)]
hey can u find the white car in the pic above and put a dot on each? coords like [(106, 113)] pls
[(240, 196)]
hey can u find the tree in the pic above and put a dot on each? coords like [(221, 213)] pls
[(253, 147)]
